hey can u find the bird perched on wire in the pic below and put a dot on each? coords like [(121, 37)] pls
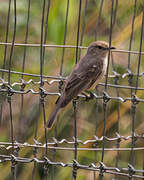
[(88, 71)]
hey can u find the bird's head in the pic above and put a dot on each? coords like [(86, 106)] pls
[(99, 48)]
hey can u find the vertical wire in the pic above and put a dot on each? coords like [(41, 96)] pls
[(78, 31), (132, 32), (110, 38), (118, 115), (130, 77), (105, 88), (83, 26), (19, 138), (41, 67), (26, 36), (60, 73), (13, 165), (130, 81), (41, 43), (64, 42), (46, 28), (13, 169), (42, 95), (140, 50), (5, 53), (35, 138), (98, 20), (115, 12), (96, 124), (41, 98), (74, 174), (20, 118), (63, 53), (43, 54), (6, 38), (81, 42), (61, 83), (117, 93), (10, 61), (133, 106), (41, 47), (46, 148), (75, 103), (96, 29), (13, 40), (23, 65), (117, 128)]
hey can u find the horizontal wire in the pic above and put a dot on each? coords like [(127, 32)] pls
[(123, 100), (121, 86), (15, 146), (5, 87), (43, 45), (65, 46), (131, 171), (8, 145), (54, 79), (115, 75), (31, 74)]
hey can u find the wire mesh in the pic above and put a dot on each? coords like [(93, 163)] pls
[(43, 148)]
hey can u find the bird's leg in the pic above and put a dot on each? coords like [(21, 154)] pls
[(76, 98), (91, 96), (88, 94), (57, 100)]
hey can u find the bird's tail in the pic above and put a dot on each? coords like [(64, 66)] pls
[(53, 115)]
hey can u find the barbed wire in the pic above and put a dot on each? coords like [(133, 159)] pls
[(95, 140), (10, 88), (131, 171)]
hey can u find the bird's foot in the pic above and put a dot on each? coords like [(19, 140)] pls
[(57, 100), (88, 96)]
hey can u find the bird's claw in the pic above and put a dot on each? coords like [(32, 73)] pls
[(57, 100), (88, 96)]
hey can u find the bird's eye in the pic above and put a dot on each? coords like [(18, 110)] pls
[(100, 47)]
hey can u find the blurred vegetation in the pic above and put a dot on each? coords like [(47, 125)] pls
[(25, 132)]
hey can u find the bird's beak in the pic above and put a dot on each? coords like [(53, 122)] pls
[(112, 48), (109, 48)]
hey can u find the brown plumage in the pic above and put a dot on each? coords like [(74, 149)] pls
[(89, 70)]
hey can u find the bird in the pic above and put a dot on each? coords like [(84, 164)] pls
[(87, 72)]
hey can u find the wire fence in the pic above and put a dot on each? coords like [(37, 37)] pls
[(10, 151)]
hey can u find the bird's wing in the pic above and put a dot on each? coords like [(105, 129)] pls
[(84, 74), (95, 79), (76, 80)]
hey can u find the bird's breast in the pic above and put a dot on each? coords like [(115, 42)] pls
[(105, 62)]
